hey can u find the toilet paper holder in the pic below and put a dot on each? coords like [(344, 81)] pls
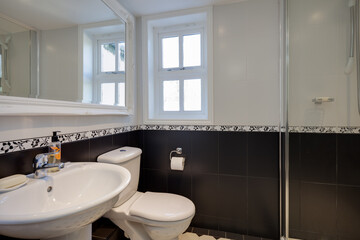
[(177, 151)]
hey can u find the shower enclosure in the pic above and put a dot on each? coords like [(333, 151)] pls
[(321, 164)]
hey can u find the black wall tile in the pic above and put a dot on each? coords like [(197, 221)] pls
[(348, 159), (233, 225), (318, 157), (263, 154), (78, 151), (155, 151), (204, 152), (179, 139), (99, 146), (204, 221), (349, 212), (179, 183), (18, 162), (136, 139), (263, 215), (297, 234), (154, 180), (294, 156), (233, 198), (121, 140), (206, 194), (294, 205), (233, 153), (318, 208)]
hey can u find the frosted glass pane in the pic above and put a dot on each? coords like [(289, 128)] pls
[(108, 57), (192, 50), (192, 95), (121, 94), (107, 93), (170, 52), (121, 54), (171, 95)]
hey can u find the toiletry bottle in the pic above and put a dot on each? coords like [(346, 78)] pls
[(55, 149)]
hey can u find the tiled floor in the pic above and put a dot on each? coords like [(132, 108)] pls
[(104, 229), (194, 233), (194, 236)]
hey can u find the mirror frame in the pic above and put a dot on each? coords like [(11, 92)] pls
[(20, 106)]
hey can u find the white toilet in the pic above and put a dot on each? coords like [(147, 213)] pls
[(149, 215)]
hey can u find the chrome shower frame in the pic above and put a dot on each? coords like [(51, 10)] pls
[(354, 53)]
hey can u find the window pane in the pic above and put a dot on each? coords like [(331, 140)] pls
[(107, 93), (121, 60), (170, 52), (192, 50), (121, 94), (192, 95), (108, 57), (171, 95)]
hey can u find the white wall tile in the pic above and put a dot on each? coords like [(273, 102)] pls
[(319, 47), (246, 63)]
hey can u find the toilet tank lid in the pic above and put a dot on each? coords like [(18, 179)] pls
[(119, 155)]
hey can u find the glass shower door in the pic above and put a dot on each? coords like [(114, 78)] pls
[(324, 122)]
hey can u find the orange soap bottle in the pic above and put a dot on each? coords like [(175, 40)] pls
[(55, 148)]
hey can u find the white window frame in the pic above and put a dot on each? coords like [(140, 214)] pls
[(153, 75), (107, 77), (180, 73)]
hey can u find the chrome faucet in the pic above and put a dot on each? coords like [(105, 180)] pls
[(41, 165)]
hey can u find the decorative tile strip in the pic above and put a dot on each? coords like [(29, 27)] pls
[(23, 144), (329, 129), (223, 128)]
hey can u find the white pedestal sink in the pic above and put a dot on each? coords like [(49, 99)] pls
[(64, 204)]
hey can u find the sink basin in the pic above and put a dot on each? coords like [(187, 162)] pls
[(64, 204)]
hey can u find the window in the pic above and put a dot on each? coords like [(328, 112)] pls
[(110, 77), (177, 67), (180, 72)]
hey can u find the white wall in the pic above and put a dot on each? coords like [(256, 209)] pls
[(319, 46), (59, 64), (12, 128), (246, 63), (246, 78)]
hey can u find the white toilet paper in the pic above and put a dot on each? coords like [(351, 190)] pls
[(177, 163)]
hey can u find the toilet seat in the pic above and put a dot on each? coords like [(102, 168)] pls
[(162, 207)]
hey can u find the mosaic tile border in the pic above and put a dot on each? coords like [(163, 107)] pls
[(311, 129), (222, 128), (24, 144), (30, 143)]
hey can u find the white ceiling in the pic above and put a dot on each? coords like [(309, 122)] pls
[(149, 7), (52, 14)]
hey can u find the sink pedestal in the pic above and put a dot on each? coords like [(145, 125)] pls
[(83, 233)]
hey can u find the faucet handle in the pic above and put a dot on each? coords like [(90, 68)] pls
[(40, 160)]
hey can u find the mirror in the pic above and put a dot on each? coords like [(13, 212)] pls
[(74, 51)]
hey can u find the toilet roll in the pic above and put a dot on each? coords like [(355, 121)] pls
[(177, 163)]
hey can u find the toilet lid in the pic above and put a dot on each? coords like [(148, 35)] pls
[(162, 207)]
